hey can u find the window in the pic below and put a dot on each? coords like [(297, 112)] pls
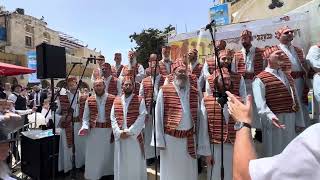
[(28, 41), (29, 29), (46, 36)]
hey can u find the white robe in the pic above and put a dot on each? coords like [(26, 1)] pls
[(129, 163), (149, 150), (275, 139), (201, 79), (249, 67), (300, 83), (65, 153), (299, 160), (207, 149), (138, 77), (99, 152), (175, 161), (313, 58)]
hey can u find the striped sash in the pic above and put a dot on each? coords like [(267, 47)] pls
[(277, 93), (173, 115), (132, 115)]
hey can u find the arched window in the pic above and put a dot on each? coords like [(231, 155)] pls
[(46, 36)]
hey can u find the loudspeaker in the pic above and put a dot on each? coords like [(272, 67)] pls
[(51, 61), (37, 156)]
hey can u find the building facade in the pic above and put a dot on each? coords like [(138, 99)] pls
[(21, 33)]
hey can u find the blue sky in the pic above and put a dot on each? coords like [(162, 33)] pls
[(107, 24)]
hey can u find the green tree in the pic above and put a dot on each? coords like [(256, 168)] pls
[(149, 41)]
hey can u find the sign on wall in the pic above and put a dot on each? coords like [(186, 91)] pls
[(32, 63), (220, 13)]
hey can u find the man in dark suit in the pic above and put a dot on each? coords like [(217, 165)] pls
[(37, 98)]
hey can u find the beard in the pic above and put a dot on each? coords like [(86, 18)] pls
[(98, 93), (181, 81), (127, 92), (246, 45), (132, 62)]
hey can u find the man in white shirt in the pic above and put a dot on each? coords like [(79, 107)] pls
[(313, 57)]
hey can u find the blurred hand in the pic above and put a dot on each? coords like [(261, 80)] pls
[(209, 161), (124, 135), (83, 132), (277, 123), (34, 109), (238, 110)]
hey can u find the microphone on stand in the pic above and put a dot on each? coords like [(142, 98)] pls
[(208, 26), (75, 63)]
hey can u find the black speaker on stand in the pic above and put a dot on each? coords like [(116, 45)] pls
[(51, 63)]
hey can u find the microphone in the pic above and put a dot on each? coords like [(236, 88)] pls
[(208, 26)]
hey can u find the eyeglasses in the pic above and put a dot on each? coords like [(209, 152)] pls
[(291, 32)]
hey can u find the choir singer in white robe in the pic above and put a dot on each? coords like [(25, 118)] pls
[(176, 118), (97, 127), (127, 116), (65, 147), (276, 99)]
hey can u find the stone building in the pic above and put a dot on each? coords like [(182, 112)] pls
[(21, 33)]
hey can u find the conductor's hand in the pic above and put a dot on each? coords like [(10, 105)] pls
[(124, 135), (238, 110), (83, 132)]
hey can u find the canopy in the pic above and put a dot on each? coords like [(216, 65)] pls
[(12, 70)]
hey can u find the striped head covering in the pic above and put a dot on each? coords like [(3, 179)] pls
[(269, 50), (178, 64), (106, 65), (216, 73), (71, 79), (194, 50), (282, 30), (225, 53), (128, 78), (246, 33)]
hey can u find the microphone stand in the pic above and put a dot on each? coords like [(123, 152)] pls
[(153, 105), (70, 113), (53, 107), (222, 97)]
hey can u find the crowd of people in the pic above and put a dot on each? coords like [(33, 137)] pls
[(113, 127)]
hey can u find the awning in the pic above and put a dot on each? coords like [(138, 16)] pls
[(12, 70)]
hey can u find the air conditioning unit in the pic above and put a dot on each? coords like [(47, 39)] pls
[(20, 11)]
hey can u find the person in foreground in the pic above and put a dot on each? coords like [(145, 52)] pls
[(305, 149)]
